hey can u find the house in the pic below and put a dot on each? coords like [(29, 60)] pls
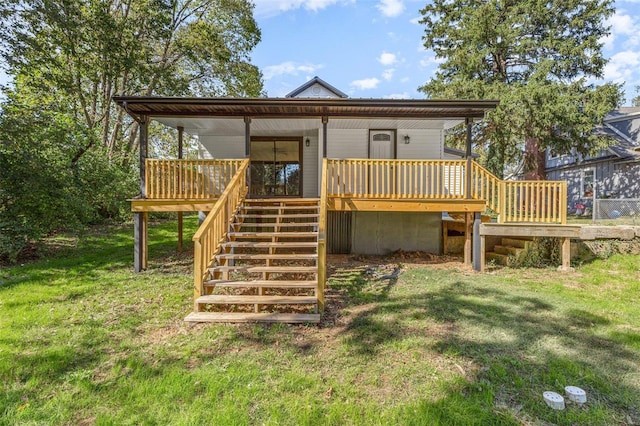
[(613, 172), (286, 180)]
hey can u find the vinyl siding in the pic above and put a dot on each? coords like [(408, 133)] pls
[(222, 147)]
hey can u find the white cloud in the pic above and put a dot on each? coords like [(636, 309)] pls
[(269, 8), (388, 74), (430, 61), (289, 68), (391, 8), (387, 58), (403, 95), (366, 83), (622, 66), (416, 20), (623, 27)]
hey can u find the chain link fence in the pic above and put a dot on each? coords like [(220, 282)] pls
[(623, 210)]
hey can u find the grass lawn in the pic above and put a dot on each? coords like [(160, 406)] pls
[(84, 340)]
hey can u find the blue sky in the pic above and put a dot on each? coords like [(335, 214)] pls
[(373, 48)]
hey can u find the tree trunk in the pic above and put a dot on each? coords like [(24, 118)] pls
[(534, 160)]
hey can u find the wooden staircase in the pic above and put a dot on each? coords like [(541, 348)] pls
[(267, 269), (508, 249)]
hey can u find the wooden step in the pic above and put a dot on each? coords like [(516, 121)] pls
[(514, 251), (261, 208), (216, 299), (267, 269), (497, 258), (516, 242), (288, 234), (261, 283), (281, 200), (270, 244), (277, 216), (252, 317), (264, 256), (274, 224)]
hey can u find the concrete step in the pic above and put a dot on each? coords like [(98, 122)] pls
[(252, 317)]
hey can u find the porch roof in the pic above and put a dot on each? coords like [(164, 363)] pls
[(296, 107)]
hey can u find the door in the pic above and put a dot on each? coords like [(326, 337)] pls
[(381, 176), (276, 168)]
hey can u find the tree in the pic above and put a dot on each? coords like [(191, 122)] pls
[(76, 54), (66, 150), (536, 57), (636, 100)]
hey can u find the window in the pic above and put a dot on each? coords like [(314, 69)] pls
[(588, 179)]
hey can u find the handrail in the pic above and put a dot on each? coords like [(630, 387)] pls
[(213, 230), (415, 180), (486, 186), (188, 179), (539, 201), (396, 179), (322, 238)]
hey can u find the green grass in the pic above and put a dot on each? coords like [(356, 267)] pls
[(84, 340)]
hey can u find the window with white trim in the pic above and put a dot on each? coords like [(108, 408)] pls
[(588, 180)]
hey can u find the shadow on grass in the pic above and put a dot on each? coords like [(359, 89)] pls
[(522, 345)]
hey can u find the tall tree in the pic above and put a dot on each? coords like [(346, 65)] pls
[(76, 54), (65, 149), (636, 100), (537, 58)]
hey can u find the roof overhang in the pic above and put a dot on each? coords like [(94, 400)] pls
[(155, 107)]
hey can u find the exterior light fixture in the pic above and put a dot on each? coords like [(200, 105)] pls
[(407, 139), (307, 142)]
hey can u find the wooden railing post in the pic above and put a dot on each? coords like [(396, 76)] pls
[(197, 273), (322, 242), (502, 201)]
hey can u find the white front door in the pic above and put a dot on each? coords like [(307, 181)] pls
[(381, 176)]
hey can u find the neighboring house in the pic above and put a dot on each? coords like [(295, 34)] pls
[(613, 173), (290, 179)]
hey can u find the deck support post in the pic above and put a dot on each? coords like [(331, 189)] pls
[(468, 227), (247, 150), (140, 219), (325, 120), (468, 155), (140, 226), (566, 254), (477, 242), (180, 227)]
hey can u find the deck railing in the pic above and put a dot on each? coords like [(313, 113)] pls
[(212, 233), (188, 179), (513, 201), (534, 201), (396, 179)]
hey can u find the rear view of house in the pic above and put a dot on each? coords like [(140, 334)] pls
[(287, 179)]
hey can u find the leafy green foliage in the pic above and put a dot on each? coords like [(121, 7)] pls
[(68, 152), (40, 189), (536, 58)]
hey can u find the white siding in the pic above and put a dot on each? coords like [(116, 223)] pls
[(343, 143), (222, 147), (316, 91), (426, 144), (310, 168)]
